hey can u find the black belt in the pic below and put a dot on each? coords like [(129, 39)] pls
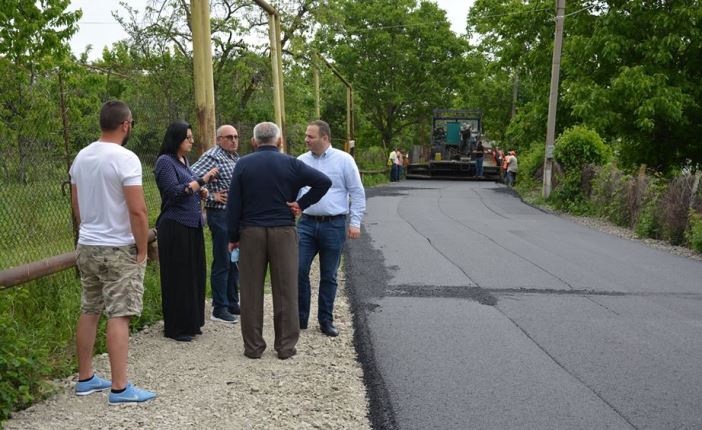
[(323, 218)]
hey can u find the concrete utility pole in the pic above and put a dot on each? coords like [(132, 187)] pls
[(350, 142), (202, 73), (553, 99), (276, 66)]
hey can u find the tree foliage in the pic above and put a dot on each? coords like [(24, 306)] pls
[(401, 57), (630, 70)]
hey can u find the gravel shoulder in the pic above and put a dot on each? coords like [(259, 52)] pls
[(625, 233), (209, 383)]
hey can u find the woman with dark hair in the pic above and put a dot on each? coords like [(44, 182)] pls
[(181, 245)]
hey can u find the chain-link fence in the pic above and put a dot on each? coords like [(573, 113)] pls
[(36, 215), (36, 204)]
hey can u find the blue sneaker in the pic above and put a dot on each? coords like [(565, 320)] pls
[(130, 395), (92, 385)]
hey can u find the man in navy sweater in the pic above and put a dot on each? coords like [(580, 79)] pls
[(260, 211)]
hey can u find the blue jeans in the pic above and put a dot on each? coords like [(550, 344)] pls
[(325, 238), (510, 178), (224, 276), (479, 166), (396, 172)]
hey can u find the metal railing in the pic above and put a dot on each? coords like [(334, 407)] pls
[(48, 266)]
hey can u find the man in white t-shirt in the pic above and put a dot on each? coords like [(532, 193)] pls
[(108, 203), (394, 159)]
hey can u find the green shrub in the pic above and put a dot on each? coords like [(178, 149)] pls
[(674, 205), (372, 157), (576, 148), (648, 223), (568, 195), (22, 369), (608, 195), (579, 146), (694, 231), (531, 162), (37, 334), (375, 179)]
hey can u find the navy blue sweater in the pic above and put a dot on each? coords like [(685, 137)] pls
[(263, 183)]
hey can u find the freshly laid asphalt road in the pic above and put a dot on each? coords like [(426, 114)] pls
[(474, 310)]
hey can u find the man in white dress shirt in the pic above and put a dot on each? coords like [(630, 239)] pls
[(322, 226)]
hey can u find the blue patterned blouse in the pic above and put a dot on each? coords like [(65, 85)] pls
[(177, 204)]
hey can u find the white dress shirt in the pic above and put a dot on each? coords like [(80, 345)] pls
[(346, 195)]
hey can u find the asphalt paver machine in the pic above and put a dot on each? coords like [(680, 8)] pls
[(455, 133)]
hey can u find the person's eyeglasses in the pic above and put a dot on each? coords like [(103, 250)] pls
[(132, 122), (231, 136)]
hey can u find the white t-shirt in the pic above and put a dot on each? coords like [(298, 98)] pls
[(99, 172), (512, 165)]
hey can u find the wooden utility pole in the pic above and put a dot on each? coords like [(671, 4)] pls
[(315, 72), (515, 93), (202, 73), (274, 30), (281, 86), (553, 99)]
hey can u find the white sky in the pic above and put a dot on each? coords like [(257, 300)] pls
[(99, 28)]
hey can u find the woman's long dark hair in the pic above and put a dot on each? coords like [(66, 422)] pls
[(175, 135)]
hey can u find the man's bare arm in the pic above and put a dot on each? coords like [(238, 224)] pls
[(74, 203), (138, 217)]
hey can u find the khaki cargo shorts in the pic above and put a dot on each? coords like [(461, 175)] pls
[(112, 280)]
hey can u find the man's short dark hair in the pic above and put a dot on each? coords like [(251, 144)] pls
[(113, 114), (324, 129)]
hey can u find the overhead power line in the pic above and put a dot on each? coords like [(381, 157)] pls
[(98, 22)]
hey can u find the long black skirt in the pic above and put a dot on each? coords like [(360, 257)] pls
[(181, 252)]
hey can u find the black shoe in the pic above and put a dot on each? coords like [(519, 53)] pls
[(328, 328), (303, 325), (183, 338), (287, 355), (252, 356), (223, 315), (234, 309)]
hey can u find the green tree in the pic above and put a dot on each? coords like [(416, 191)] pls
[(630, 70), (402, 59), (633, 72), (33, 36)]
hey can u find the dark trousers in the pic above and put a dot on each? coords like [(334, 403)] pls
[(395, 172), (224, 276), (261, 247), (325, 238), (510, 178), (181, 253)]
